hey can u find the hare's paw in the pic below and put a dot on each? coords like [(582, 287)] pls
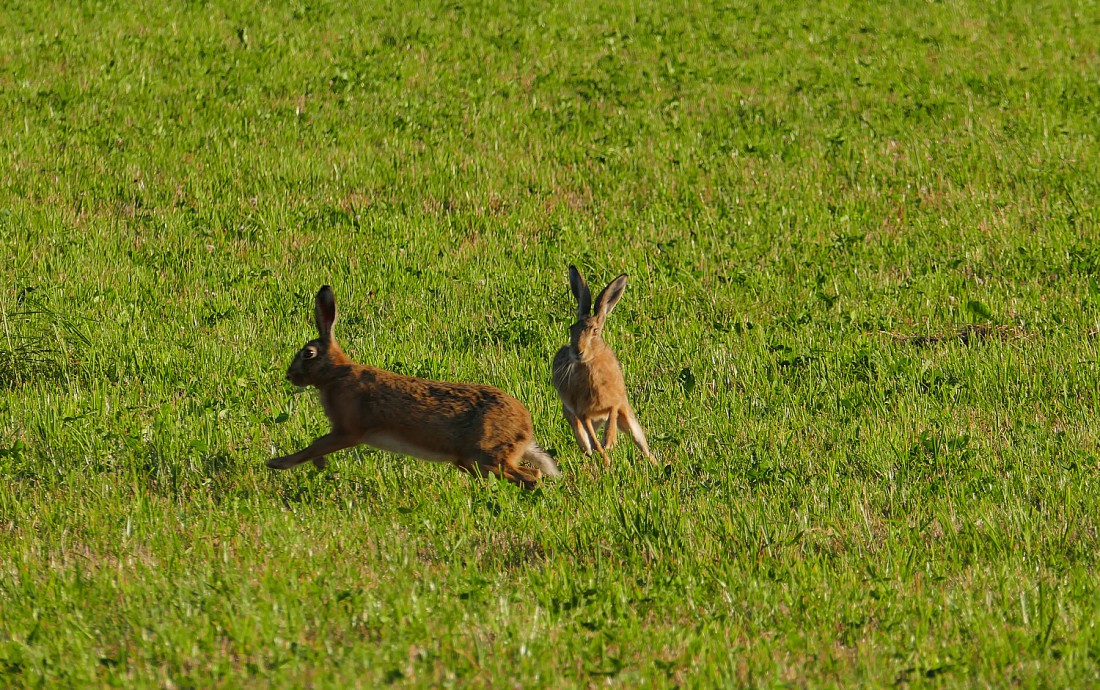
[(283, 463)]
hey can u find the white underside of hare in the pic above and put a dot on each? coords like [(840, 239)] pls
[(402, 446)]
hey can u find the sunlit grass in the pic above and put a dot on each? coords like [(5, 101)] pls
[(860, 331)]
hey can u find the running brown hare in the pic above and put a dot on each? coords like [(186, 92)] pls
[(480, 429), (588, 376)]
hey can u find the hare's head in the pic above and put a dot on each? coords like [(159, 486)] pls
[(584, 335), (318, 355)]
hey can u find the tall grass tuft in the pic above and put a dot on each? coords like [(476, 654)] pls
[(38, 342)]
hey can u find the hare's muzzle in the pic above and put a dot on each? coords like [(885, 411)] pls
[(294, 377)]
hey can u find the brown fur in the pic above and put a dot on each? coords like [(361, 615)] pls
[(480, 429), (588, 376)]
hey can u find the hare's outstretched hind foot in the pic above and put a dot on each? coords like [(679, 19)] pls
[(510, 470), (508, 466), (630, 421), (524, 477)]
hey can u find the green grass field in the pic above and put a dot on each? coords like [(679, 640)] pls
[(861, 332)]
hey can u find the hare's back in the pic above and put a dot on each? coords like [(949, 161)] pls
[(427, 403)]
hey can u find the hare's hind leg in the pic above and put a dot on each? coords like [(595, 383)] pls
[(628, 419), (522, 477), (587, 421), (526, 477), (504, 463), (329, 443), (480, 468)]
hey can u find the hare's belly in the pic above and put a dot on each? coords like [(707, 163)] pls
[(399, 444)]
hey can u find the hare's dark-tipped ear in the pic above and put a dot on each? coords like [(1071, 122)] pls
[(581, 292), (324, 312), (610, 296)]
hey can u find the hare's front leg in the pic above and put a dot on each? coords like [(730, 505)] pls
[(587, 421), (329, 443), (611, 430), (578, 431)]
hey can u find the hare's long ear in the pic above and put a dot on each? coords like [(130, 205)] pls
[(581, 292), (610, 296), (324, 312)]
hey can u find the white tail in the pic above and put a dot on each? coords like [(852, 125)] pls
[(538, 458)]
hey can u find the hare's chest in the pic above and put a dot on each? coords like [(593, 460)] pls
[(607, 388), (342, 415), (594, 389)]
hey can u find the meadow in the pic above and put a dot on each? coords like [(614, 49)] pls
[(860, 331)]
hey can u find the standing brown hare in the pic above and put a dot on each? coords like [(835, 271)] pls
[(479, 429), (588, 377)]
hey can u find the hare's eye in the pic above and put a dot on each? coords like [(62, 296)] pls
[(309, 353)]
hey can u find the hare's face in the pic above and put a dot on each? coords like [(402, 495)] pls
[(307, 363), (584, 336)]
